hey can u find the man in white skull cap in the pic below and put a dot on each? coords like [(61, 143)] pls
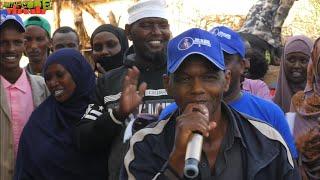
[(116, 99)]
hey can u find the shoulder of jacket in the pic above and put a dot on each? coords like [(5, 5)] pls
[(37, 79), (156, 129), (272, 134), (115, 73)]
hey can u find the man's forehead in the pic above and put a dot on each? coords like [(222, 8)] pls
[(193, 60), (30, 29), (11, 25), (10, 29), (151, 20), (69, 35)]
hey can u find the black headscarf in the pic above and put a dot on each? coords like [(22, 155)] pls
[(46, 148), (115, 61)]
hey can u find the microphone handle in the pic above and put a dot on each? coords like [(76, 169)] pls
[(193, 155)]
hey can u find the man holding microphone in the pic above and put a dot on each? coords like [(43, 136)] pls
[(234, 146)]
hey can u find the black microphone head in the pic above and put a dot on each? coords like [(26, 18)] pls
[(191, 169)]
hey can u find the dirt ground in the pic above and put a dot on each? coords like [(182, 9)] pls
[(272, 75)]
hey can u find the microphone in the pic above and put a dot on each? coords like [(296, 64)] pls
[(194, 149), (193, 155)]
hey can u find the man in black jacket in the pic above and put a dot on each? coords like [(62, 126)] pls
[(234, 146), (117, 100)]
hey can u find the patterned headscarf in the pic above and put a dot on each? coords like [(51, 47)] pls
[(309, 159)]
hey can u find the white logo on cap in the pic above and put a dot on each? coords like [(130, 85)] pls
[(187, 42), (11, 17), (2, 18), (5, 17), (217, 32)]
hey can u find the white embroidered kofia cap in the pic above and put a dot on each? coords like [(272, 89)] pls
[(147, 8)]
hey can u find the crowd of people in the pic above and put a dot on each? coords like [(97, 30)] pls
[(132, 114)]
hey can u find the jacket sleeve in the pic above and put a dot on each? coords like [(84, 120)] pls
[(284, 166), (141, 163), (292, 174), (98, 127), (277, 167)]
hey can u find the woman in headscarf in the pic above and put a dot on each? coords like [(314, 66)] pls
[(306, 104), (108, 43), (293, 70), (46, 148)]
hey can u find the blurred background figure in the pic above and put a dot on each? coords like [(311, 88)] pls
[(253, 82), (65, 37)]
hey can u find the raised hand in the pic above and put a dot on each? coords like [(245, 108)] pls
[(130, 97)]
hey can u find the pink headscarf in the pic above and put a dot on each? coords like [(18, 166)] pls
[(283, 94)]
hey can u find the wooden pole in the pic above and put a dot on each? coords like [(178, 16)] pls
[(112, 19), (81, 30), (56, 12), (93, 13)]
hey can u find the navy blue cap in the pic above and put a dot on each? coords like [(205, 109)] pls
[(5, 17), (231, 41), (194, 41)]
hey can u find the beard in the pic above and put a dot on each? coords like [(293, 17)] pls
[(156, 58)]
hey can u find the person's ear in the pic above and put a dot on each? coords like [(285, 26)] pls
[(50, 42), (242, 65), (166, 83), (227, 76), (50, 46), (92, 56), (128, 31), (24, 48), (246, 63), (80, 47)]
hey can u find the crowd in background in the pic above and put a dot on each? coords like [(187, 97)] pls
[(131, 114)]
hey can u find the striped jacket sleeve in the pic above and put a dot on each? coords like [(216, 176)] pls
[(140, 162), (96, 129)]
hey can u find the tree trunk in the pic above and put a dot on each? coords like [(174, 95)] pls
[(93, 13), (263, 26), (112, 19), (80, 28)]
